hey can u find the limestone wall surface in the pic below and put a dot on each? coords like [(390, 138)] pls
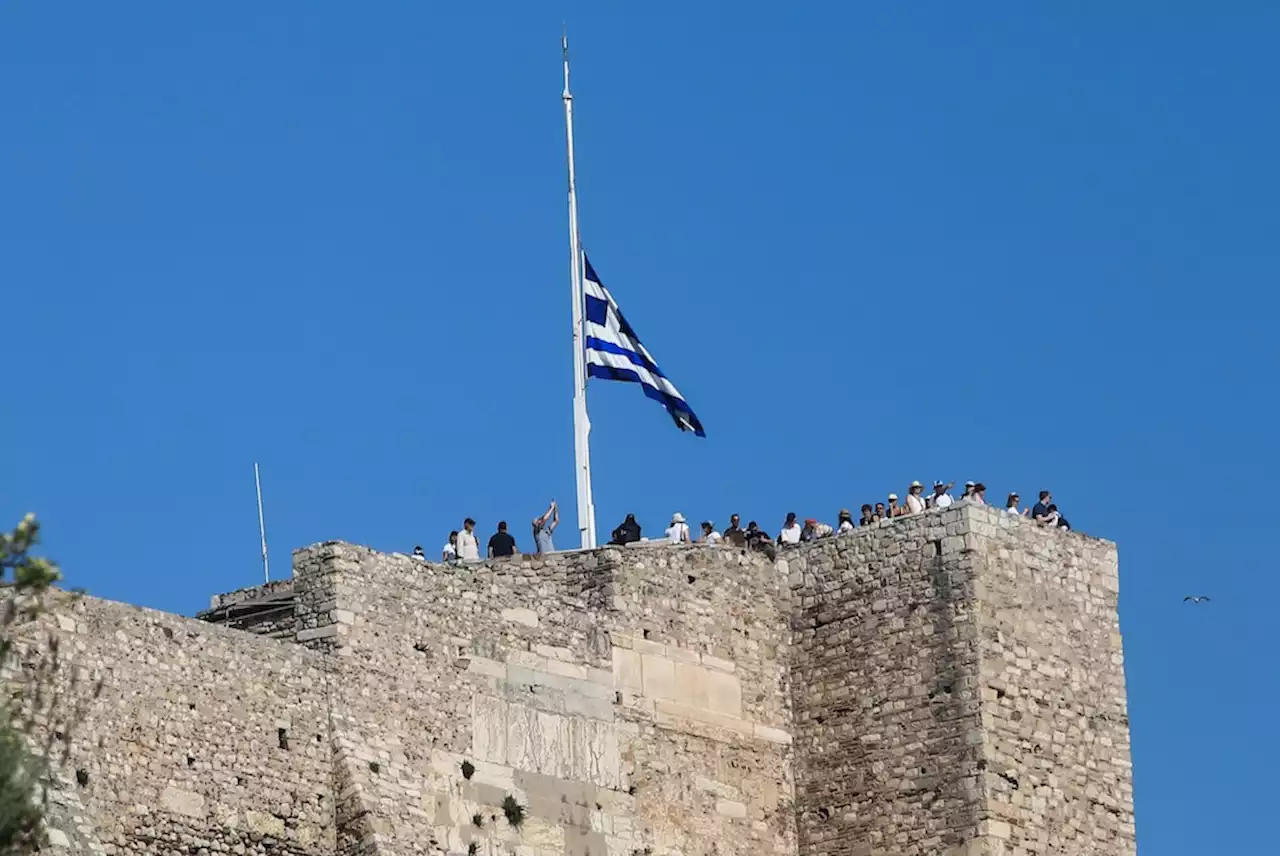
[(1055, 717), (950, 684), (886, 696), (630, 701), (201, 739), (959, 689)]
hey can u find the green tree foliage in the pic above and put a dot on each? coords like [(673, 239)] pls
[(24, 578)]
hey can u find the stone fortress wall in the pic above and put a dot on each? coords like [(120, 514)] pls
[(950, 683)]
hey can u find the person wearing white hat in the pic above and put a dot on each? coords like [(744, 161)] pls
[(968, 492), (678, 531), (915, 498), (940, 498), (893, 509)]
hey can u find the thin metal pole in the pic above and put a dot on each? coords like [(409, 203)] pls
[(262, 526), (581, 424)]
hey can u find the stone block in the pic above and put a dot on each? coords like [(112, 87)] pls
[(627, 670), (671, 713), (485, 666), (183, 802), (723, 692), (773, 735), (658, 675), (731, 808), (692, 686), (329, 631), (520, 615), (263, 823), (717, 663)]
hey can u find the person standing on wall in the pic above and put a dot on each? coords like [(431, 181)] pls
[(709, 534), (501, 544), (790, 532), (1040, 511), (734, 534), (543, 526), (468, 547), (915, 498), (678, 531), (1011, 505), (628, 532)]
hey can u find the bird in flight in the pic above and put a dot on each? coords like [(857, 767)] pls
[(1195, 598)]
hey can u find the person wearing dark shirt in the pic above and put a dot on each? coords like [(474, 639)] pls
[(502, 544), (1061, 521), (758, 539), (1040, 511), (627, 531), (734, 534)]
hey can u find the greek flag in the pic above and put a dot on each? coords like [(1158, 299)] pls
[(614, 352)]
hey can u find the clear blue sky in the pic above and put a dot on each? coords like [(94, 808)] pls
[(870, 243)]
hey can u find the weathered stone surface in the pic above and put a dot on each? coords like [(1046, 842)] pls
[(946, 684), (958, 688)]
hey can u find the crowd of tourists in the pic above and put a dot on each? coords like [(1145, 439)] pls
[(464, 544)]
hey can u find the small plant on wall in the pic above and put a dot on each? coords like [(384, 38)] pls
[(513, 810)]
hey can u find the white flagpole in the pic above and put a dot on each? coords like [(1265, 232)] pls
[(262, 526), (581, 424)]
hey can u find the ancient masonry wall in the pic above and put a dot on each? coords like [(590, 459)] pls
[(958, 687), (629, 701), (953, 683), (1055, 718), (193, 737)]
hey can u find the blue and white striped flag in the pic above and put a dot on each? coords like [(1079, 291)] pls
[(614, 352)]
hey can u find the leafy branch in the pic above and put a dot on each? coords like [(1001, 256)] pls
[(24, 578)]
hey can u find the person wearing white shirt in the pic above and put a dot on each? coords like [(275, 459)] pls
[(915, 498), (419, 554), (678, 531), (940, 498), (791, 530), (449, 553), (846, 521), (709, 534), (468, 545)]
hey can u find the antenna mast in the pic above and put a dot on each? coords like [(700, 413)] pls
[(262, 526)]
